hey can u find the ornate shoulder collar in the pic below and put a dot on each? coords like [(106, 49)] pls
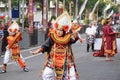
[(59, 40)]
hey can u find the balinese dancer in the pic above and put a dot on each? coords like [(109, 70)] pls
[(13, 49), (76, 28), (108, 47), (60, 64)]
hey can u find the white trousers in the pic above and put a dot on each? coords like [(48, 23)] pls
[(7, 56), (49, 74)]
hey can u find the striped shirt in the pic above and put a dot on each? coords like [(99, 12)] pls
[(1, 33)]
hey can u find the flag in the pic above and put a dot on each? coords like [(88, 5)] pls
[(35, 7), (107, 7), (110, 14), (91, 13), (82, 8)]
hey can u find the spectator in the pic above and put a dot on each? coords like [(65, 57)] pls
[(99, 29), (90, 37), (4, 42), (1, 37)]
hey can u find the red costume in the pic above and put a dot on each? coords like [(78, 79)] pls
[(108, 42)]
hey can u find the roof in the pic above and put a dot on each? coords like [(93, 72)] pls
[(2, 5)]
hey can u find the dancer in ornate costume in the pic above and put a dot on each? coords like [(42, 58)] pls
[(109, 47), (76, 28), (60, 64), (13, 49)]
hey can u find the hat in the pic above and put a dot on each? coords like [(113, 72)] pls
[(14, 27), (63, 22)]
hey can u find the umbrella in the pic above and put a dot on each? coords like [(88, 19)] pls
[(2, 16)]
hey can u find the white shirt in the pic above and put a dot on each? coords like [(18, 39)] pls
[(90, 31)]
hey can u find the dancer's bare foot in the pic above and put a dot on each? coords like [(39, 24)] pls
[(108, 59)]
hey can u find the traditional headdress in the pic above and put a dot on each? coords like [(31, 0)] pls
[(14, 28), (77, 27), (63, 22), (106, 20)]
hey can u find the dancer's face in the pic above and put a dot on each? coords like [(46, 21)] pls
[(59, 32), (11, 33)]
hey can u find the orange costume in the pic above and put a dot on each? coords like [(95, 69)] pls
[(60, 64), (60, 56), (76, 28), (13, 49)]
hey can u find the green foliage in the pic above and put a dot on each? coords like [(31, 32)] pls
[(26, 24), (90, 4), (101, 7), (4, 1), (86, 21), (115, 8), (53, 17)]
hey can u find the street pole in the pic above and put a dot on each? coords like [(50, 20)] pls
[(56, 8), (70, 9), (45, 12), (9, 9), (76, 9), (45, 17), (63, 5), (22, 15)]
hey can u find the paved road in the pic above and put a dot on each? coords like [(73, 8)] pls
[(89, 67)]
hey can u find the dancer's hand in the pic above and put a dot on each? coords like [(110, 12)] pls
[(36, 52), (33, 52), (80, 39)]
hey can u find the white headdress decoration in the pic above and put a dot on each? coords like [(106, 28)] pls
[(64, 20), (14, 27)]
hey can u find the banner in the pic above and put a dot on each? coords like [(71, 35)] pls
[(15, 9), (82, 8), (110, 14), (93, 10), (105, 10)]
